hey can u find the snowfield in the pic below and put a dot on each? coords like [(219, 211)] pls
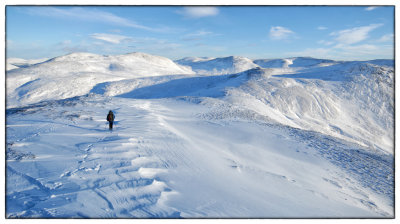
[(199, 138)]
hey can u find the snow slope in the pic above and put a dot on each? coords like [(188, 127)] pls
[(164, 159), (314, 140), (343, 101)]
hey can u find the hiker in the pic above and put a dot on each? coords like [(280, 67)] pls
[(110, 119)]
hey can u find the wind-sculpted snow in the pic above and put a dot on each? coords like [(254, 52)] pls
[(166, 159), (290, 138)]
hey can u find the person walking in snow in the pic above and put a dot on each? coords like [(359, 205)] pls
[(110, 119)]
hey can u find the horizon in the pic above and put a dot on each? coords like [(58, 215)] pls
[(345, 33), (206, 57)]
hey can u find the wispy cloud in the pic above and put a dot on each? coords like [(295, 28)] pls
[(327, 43), (371, 8), (198, 35), (110, 38), (67, 46), (386, 38), (348, 52), (280, 33), (354, 35), (199, 11), (360, 49), (313, 52), (322, 28), (350, 44), (156, 45), (91, 15)]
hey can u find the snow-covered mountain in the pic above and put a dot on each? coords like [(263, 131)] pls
[(13, 63), (217, 66), (200, 137), (342, 101), (293, 62), (77, 74)]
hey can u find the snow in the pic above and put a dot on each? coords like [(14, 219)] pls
[(292, 62), (77, 74), (200, 138), (218, 66), (13, 63), (326, 101)]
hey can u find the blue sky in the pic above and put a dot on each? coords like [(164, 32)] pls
[(333, 32)]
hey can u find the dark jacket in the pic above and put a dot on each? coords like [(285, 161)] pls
[(110, 116)]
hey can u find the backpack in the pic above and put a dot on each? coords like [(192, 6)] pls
[(110, 117)]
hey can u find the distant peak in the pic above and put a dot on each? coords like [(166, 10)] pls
[(76, 56)]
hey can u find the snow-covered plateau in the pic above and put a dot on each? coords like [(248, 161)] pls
[(199, 137)]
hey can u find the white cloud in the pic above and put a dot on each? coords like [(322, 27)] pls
[(366, 51), (324, 42), (354, 35), (359, 49), (199, 33), (313, 52), (371, 8), (348, 52), (348, 45), (322, 28), (279, 33), (116, 31), (92, 15), (386, 38), (199, 11), (110, 38)]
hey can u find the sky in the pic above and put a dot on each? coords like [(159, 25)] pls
[(256, 32)]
